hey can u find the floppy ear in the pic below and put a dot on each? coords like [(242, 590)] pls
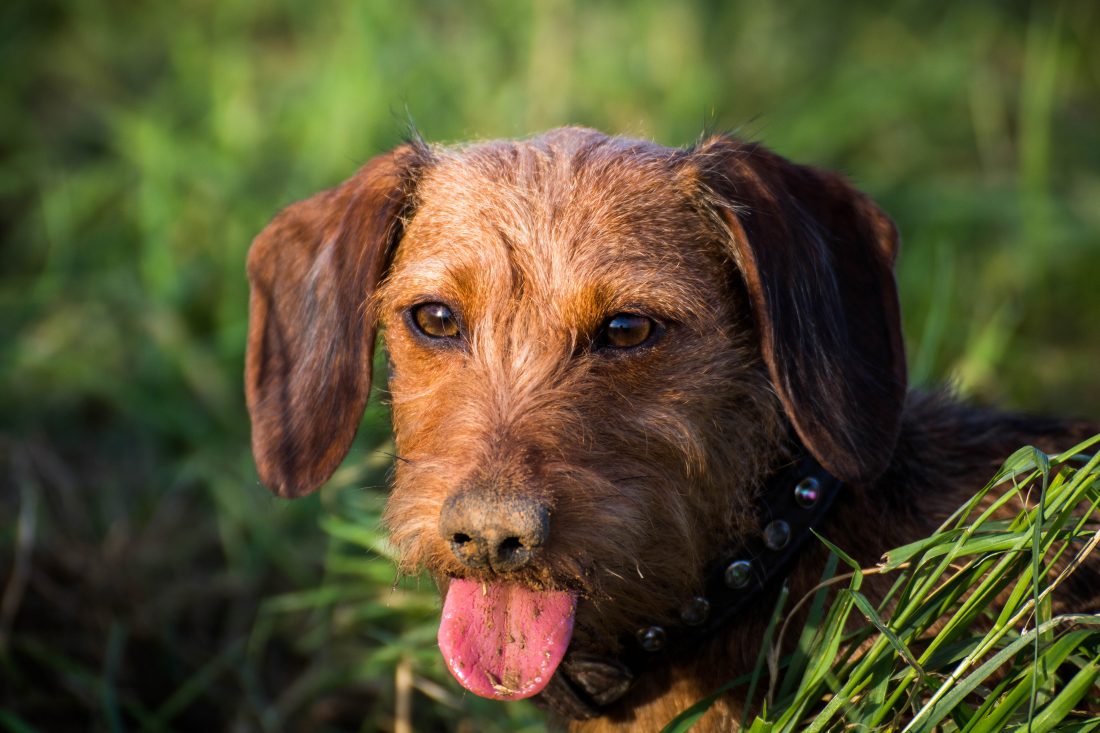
[(310, 337), (817, 258)]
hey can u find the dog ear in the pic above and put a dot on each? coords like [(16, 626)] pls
[(817, 258), (312, 272)]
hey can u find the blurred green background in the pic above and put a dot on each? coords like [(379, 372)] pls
[(148, 581)]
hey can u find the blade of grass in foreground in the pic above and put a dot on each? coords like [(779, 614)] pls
[(809, 630)]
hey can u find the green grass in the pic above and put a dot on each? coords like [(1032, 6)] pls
[(967, 638), (154, 583)]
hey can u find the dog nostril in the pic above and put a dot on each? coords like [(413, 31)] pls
[(494, 531), (512, 553)]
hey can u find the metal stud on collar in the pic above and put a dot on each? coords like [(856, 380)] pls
[(652, 638), (776, 535), (695, 611), (738, 573), (807, 492)]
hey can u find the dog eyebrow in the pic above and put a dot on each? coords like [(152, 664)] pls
[(584, 299), (585, 290)]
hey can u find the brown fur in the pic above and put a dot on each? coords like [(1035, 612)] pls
[(774, 285)]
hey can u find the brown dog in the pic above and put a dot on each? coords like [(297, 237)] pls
[(608, 358)]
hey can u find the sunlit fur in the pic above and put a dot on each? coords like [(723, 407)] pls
[(773, 287), (645, 456)]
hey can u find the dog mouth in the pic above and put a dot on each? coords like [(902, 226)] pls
[(503, 640)]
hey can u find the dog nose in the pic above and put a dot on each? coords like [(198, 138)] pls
[(489, 530)]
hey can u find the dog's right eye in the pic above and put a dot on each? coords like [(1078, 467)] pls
[(625, 331), (435, 320)]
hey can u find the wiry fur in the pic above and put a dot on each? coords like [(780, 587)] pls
[(539, 243), (774, 287)]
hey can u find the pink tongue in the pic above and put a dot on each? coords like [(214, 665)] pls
[(503, 641)]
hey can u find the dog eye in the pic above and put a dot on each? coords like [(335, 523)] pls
[(435, 320), (625, 331)]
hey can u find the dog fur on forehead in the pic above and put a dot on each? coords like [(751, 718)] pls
[(564, 213), (536, 244)]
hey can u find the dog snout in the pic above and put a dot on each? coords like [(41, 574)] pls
[(489, 530)]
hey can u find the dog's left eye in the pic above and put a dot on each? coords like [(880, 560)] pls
[(435, 320), (625, 331)]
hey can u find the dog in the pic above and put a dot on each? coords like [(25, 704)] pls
[(612, 364)]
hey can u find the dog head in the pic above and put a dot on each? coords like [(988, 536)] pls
[(598, 349)]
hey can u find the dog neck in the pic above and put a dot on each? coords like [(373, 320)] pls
[(795, 500)]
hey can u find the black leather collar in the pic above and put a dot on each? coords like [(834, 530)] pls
[(795, 500)]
